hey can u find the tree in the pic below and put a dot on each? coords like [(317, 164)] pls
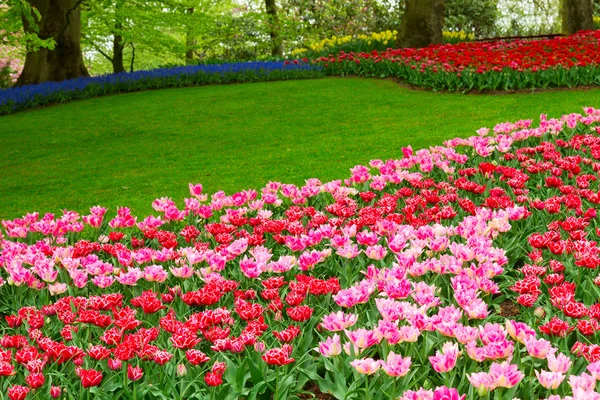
[(422, 23), (59, 21), (190, 40), (271, 8), (105, 21), (471, 16), (577, 15)]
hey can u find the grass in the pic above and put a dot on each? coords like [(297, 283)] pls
[(130, 149)]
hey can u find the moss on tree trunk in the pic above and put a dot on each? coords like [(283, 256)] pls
[(422, 23), (117, 59), (271, 9), (61, 20), (577, 15), (190, 41)]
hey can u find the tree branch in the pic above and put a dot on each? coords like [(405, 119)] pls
[(97, 48), (132, 56)]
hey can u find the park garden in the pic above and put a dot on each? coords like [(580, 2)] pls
[(300, 199)]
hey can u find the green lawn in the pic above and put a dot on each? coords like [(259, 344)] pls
[(129, 149)]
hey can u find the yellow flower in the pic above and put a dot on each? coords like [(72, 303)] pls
[(298, 51)]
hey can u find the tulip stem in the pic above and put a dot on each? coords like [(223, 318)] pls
[(367, 397), (276, 384)]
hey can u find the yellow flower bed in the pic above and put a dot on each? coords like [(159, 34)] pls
[(457, 37), (385, 38)]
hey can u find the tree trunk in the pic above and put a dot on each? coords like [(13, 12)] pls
[(422, 23), (60, 20), (117, 58), (271, 9), (190, 41), (118, 42), (577, 15)]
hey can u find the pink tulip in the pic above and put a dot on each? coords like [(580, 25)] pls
[(505, 375), (395, 365), (331, 347), (366, 366), (445, 360), (549, 379), (363, 338), (338, 321)]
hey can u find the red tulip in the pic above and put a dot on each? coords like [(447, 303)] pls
[(35, 380), (196, 357), (134, 373), (98, 352), (213, 379), (18, 392), (279, 356), (6, 369), (90, 377), (287, 335), (55, 392), (300, 313), (556, 327), (114, 364)]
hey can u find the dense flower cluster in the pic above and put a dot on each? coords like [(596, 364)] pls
[(406, 274), (497, 65), (357, 43)]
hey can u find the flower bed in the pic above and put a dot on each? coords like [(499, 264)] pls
[(400, 281), (21, 98), (515, 65)]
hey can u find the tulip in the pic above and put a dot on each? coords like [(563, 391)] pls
[(55, 392), (331, 347), (278, 356), (395, 365), (134, 373), (181, 370), (366, 366), (90, 377), (549, 379), (17, 392)]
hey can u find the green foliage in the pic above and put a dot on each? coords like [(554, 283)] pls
[(153, 33), (5, 79), (472, 16), (12, 15)]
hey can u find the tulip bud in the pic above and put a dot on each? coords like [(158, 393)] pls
[(259, 347), (181, 370), (482, 391), (539, 312), (114, 364), (55, 392)]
